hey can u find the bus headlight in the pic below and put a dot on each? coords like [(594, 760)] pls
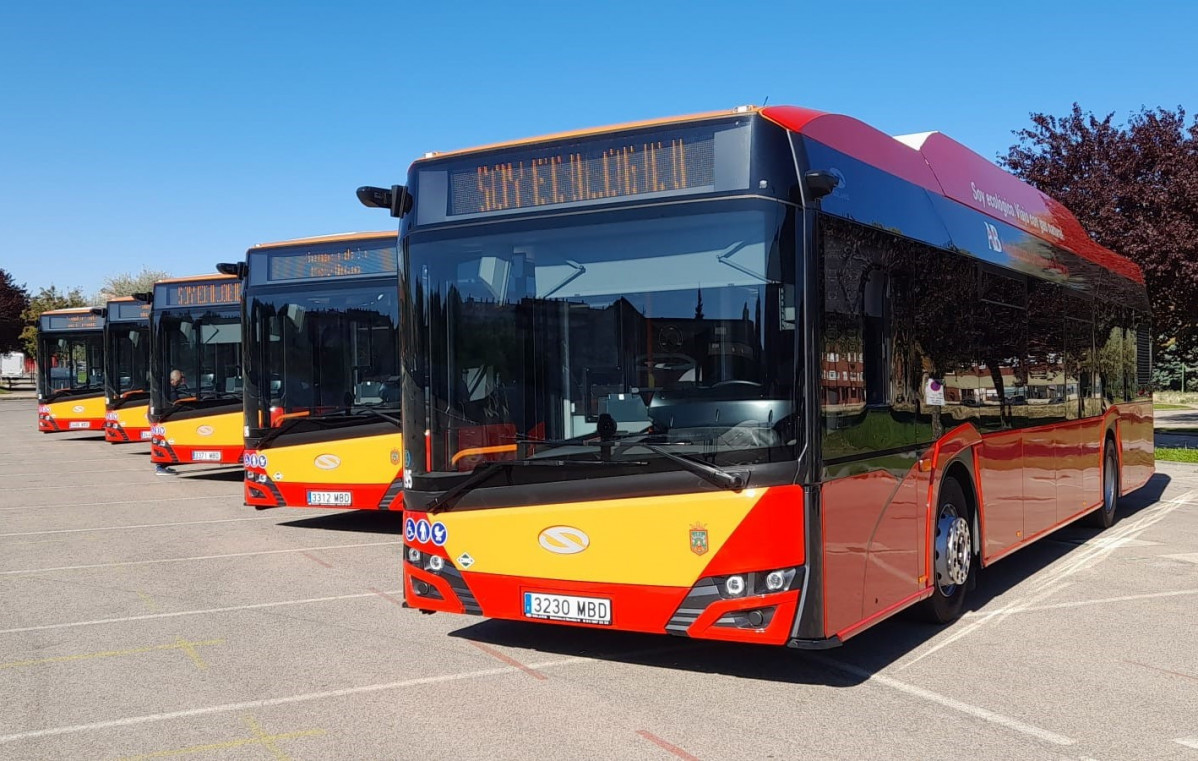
[(755, 582), (735, 586), (436, 563), (775, 581), (414, 556)]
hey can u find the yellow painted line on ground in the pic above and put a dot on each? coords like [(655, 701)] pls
[(288, 700), (180, 643), (149, 601), (260, 737)]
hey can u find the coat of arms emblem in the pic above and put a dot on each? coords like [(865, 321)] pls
[(699, 539)]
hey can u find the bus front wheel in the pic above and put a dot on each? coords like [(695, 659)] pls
[(952, 555)]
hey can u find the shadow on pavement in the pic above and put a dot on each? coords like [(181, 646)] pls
[(370, 521), (231, 473), (853, 663)]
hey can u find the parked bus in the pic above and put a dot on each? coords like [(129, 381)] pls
[(127, 370), (195, 371), (322, 373), (767, 375), (70, 370)]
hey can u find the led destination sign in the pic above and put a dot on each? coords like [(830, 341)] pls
[(308, 265), (682, 160), (81, 321), (129, 311), (201, 294)]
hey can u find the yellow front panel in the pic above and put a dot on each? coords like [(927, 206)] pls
[(363, 460), (645, 540), (133, 417), (73, 409), (223, 430)]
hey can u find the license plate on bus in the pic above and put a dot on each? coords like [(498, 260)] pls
[(145, 435), (205, 456), (329, 498), (582, 610), (80, 424)]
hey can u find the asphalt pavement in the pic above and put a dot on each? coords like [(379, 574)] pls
[(150, 617)]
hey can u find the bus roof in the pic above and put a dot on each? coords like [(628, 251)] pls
[(197, 278), (931, 160), (947, 168), (593, 131), (326, 239), (70, 310)]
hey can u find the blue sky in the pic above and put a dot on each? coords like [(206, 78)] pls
[(175, 135)]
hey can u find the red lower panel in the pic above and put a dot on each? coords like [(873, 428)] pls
[(777, 632), (115, 433), (634, 607), (364, 496), (47, 424), (229, 455)]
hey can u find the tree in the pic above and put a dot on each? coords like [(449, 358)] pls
[(1134, 189), (125, 284), (45, 300), (14, 300)]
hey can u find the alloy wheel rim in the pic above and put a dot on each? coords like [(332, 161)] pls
[(953, 550)]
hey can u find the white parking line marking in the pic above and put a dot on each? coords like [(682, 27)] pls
[(1055, 578), (195, 557), (180, 613), (142, 501), (952, 703), (65, 472), (142, 525), (80, 486), (1083, 603), (1189, 742), (1189, 557), (306, 697)]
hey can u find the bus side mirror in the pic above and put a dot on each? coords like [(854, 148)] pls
[(233, 268), (820, 183), (397, 200)]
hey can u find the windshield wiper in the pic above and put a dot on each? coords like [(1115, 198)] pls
[(450, 498), (369, 410), (710, 473)]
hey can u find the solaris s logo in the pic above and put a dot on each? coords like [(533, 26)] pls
[(564, 540)]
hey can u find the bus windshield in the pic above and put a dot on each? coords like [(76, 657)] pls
[(127, 355), (319, 352), (200, 354), (673, 326), (71, 363)]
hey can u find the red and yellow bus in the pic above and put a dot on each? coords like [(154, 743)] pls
[(70, 370), (767, 375), (195, 371), (127, 370), (322, 373)]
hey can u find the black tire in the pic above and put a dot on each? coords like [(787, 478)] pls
[(953, 563), (1104, 517)]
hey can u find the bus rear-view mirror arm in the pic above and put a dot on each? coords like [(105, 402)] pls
[(820, 182), (397, 199)]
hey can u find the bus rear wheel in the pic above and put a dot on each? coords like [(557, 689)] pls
[(1104, 517), (952, 555)]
